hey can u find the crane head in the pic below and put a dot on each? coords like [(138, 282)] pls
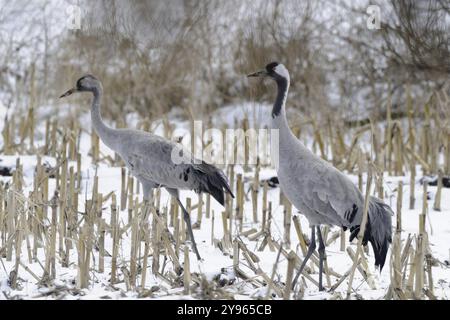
[(85, 83), (273, 70)]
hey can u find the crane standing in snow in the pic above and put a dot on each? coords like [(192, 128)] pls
[(150, 158), (318, 190)]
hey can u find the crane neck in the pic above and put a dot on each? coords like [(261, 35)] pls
[(279, 120), (104, 132), (279, 105)]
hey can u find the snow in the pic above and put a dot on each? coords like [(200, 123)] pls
[(215, 263)]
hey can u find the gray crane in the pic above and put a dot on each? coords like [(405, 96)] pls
[(150, 158), (318, 190)]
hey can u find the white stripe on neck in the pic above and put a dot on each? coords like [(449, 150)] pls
[(282, 71)]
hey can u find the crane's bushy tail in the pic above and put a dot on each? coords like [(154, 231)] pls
[(213, 181), (378, 230)]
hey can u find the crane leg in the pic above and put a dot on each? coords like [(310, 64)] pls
[(311, 248), (148, 199), (322, 256), (147, 189), (187, 219)]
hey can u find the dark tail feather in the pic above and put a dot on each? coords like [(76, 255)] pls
[(378, 230), (214, 182), (218, 194)]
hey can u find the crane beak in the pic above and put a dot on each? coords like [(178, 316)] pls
[(261, 73), (68, 92)]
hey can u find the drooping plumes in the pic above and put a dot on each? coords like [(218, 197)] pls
[(378, 230)]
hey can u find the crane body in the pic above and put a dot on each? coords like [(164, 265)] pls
[(323, 194), (149, 158)]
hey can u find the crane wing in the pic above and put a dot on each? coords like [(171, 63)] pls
[(331, 194), (165, 163)]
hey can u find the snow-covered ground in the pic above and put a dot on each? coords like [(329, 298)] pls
[(214, 261)]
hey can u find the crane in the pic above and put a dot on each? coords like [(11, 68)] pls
[(323, 194), (150, 158)]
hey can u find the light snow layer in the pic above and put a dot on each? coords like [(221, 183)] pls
[(438, 227)]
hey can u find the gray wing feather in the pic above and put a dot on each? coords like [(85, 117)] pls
[(149, 157)]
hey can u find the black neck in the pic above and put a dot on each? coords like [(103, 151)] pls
[(281, 96), (96, 92)]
